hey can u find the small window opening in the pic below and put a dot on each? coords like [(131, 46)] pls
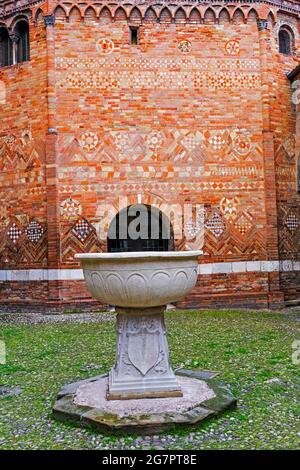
[(134, 40), (22, 30), (5, 48), (285, 42)]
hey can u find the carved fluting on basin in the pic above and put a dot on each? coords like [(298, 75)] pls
[(140, 281), (140, 285)]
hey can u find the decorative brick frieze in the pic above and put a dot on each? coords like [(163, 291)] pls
[(198, 112)]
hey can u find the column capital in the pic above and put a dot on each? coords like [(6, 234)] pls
[(262, 25), (14, 37), (49, 20)]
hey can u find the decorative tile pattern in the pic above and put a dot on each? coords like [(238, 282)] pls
[(232, 47), (14, 233), (70, 209), (185, 46), (242, 144), (34, 231), (229, 207), (215, 225), (82, 229), (243, 223), (292, 222), (89, 141), (105, 46)]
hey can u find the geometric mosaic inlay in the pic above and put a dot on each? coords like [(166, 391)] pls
[(82, 229), (292, 222), (34, 231), (14, 233), (215, 224)]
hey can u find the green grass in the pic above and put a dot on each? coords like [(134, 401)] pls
[(248, 348)]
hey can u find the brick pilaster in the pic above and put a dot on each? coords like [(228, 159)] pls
[(271, 229), (51, 162)]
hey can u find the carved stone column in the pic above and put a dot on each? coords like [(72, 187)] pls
[(142, 368), (15, 38)]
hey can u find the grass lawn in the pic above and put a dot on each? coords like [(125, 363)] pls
[(252, 350)]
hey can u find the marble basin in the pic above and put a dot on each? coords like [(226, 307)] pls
[(140, 279), (140, 284)]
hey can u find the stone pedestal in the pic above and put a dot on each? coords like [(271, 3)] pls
[(142, 368)]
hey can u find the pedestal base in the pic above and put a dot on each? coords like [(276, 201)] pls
[(85, 403), (142, 368)]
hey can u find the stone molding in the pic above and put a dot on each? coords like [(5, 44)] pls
[(235, 267)]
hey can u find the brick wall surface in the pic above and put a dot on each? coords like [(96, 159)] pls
[(199, 112)]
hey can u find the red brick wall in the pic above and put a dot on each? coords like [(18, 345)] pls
[(23, 228), (195, 114)]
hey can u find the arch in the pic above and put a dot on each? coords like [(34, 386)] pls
[(252, 16), (238, 17), (271, 19), (140, 227), (150, 15), (135, 15), (5, 48), (180, 15), (224, 16), (120, 14), (286, 40), (209, 16), (165, 15), (75, 15), (195, 16), (39, 16), (21, 30), (60, 13), (90, 14), (105, 15), (17, 20)]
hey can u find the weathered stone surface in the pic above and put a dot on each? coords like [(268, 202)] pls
[(197, 373), (6, 392), (148, 422)]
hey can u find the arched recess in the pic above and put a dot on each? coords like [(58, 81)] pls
[(120, 14), (105, 16), (252, 16), (271, 20), (238, 17), (224, 16), (135, 15), (140, 227), (75, 15), (21, 31), (60, 14), (39, 16), (180, 16), (165, 15), (90, 14), (150, 15), (5, 48), (195, 16), (209, 16)]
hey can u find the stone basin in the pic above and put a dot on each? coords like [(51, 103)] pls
[(140, 279), (140, 284), (147, 396)]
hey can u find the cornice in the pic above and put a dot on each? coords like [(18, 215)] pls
[(11, 7)]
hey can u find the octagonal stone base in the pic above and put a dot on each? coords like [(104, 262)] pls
[(85, 403)]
